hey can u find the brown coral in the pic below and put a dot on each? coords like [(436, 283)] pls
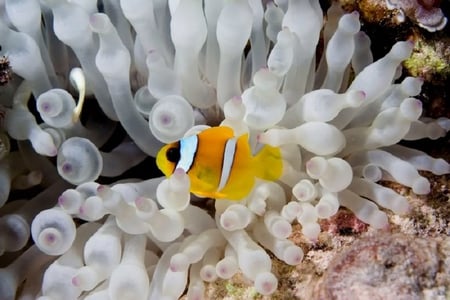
[(386, 266)]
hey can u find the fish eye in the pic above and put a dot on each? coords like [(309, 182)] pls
[(173, 155)]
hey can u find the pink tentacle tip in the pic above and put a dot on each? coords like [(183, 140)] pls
[(179, 172), (50, 238), (407, 210), (363, 94), (61, 200), (386, 228), (101, 188), (411, 42), (81, 210), (297, 259), (267, 287), (54, 151), (139, 202), (236, 99), (418, 104), (355, 14), (222, 271), (173, 268), (76, 281)]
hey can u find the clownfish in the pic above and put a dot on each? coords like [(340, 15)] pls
[(219, 164)]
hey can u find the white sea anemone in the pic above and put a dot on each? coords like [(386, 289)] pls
[(164, 69)]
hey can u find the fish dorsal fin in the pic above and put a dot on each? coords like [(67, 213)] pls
[(219, 131)]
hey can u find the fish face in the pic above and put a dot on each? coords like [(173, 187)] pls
[(168, 157)]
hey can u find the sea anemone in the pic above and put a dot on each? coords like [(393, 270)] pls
[(161, 70)]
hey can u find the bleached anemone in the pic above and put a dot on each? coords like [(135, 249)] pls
[(166, 69)]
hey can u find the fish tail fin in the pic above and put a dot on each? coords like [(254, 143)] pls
[(268, 163)]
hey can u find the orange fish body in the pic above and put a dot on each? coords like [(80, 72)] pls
[(219, 164)]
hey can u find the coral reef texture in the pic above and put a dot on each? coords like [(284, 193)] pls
[(341, 191)]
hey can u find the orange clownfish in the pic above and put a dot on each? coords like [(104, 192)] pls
[(219, 164)]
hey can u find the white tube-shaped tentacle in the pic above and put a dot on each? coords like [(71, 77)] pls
[(334, 174), (307, 34), (388, 128), (362, 57), (197, 220), (129, 279), (252, 259), (276, 225), (161, 270), (125, 156), (273, 16), (166, 225), (125, 213), (364, 209), (340, 49), (264, 105), (211, 62), (25, 15), (234, 111), (12, 276), (402, 171), (266, 196), (102, 253), (142, 16), (316, 137), (188, 44), (79, 161), (56, 107), (170, 118), (419, 130), (193, 249), (393, 97), (41, 141), (71, 26), (334, 14), (162, 80), (305, 190), (196, 287), (381, 195), (208, 264), (15, 227), (228, 265), (25, 58), (118, 82), (258, 43), (284, 249), (57, 281), (328, 205), (307, 216), (372, 84), (173, 192), (233, 31), (420, 160), (71, 200), (290, 211), (236, 216), (282, 54), (53, 231)]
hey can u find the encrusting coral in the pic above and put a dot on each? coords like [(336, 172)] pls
[(168, 69)]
